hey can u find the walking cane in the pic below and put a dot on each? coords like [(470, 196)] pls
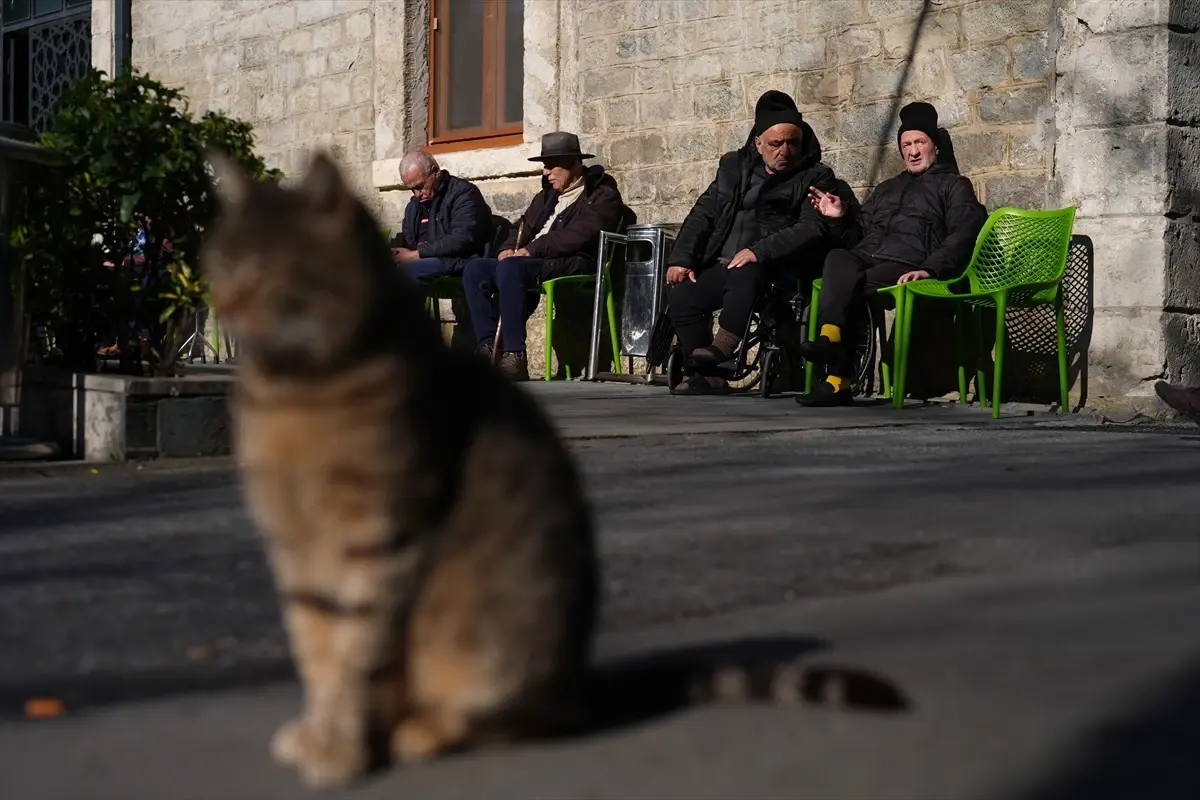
[(500, 320)]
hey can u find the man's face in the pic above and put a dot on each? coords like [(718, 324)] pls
[(918, 150), (562, 172), (779, 146), (422, 185)]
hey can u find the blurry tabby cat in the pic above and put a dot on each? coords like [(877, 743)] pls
[(427, 530)]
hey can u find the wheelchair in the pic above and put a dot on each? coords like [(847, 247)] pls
[(777, 325)]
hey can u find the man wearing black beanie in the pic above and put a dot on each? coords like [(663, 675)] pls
[(754, 218), (919, 224)]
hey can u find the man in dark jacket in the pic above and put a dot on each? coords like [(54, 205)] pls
[(920, 224), (558, 235), (446, 222), (754, 219)]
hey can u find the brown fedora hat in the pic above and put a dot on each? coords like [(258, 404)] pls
[(560, 144)]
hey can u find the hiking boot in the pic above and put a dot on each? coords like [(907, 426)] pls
[(1184, 399), (514, 365), (822, 351), (825, 396), (484, 351)]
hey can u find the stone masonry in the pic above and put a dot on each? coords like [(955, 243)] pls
[(1090, 103), (301, 71)]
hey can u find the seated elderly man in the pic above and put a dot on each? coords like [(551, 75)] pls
[(754, 219), (446, 222), (558, 235), (922, 223)]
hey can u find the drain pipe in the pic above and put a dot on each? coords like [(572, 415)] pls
[(122, 36)]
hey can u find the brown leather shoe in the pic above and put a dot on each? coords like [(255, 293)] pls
[(515, 366), (1184, 399)]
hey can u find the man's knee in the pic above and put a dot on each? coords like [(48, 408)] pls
[(516, 269), (477, 272), (426, 268), (835, 261), (682, 301)]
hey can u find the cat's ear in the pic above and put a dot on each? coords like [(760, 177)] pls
[(230, 181), (324, 184)]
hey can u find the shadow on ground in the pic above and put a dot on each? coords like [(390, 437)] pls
[(1149, 753)]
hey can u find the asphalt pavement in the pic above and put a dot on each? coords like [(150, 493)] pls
[(1031, 584)]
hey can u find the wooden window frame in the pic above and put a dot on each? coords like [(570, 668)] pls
[(493, 81)]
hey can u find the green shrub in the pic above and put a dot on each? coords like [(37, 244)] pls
[(133, 151)]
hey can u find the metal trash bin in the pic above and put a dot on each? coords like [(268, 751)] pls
[(639, 288)]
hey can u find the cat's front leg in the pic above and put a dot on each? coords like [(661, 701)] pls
[(341, 631)]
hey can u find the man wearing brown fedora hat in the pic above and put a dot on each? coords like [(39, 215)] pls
[(557, 235)]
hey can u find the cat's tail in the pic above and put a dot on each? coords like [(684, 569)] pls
[(628, 694)]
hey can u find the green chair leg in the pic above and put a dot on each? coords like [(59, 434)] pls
[(981, 382), (891, 371), (812, 334), (549, 342), (1001, 307), (1063, 377), (900, 389), (611, 308), (961, 323)]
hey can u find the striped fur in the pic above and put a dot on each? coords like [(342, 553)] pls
[(427, 531)]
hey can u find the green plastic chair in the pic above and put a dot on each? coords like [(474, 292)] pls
[(897, 294), (1019, 260), (550, 287), (451, 287)]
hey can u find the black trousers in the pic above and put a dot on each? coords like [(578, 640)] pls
[(733, 291), (847, 278)]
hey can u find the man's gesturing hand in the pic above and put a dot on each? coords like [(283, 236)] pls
[(679, 275), (826, 204)]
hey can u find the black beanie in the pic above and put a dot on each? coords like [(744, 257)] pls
[(919, 117), (774, 108)]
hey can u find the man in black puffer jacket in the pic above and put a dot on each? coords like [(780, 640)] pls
[(753, 219), (922, 223)]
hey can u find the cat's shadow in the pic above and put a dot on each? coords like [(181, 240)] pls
[(645, 687), (649, 687)]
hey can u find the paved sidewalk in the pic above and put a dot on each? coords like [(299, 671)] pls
[(1030, 583)]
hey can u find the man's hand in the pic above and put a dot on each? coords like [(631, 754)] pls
[(679, 275), (402, 255), (521, 253), (742, 258), (826, 204), (915, 275)]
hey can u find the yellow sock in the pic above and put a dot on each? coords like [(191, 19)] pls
[(831, 332), (836, 381)]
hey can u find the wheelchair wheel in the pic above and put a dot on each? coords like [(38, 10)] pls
[(864, 353), (769, 371), (674, 368)]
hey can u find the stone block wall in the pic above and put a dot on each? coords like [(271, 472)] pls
[(669, 86), (301, 71)]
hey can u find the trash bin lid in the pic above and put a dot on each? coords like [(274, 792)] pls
[(670, 228)]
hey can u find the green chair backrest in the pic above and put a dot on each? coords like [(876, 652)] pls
[(1019, 246)]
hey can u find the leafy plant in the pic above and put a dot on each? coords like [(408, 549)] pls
[(110, 242)]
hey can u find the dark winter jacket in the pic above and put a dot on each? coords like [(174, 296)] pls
[(787, 227), (569, 247), (929, 221), (460, 222)]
